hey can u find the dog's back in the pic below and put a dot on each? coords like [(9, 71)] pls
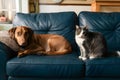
[(53, 44)]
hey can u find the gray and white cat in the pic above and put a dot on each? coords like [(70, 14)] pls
[(92, 44)]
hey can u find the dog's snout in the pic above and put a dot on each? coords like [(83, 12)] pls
[(23, 44), (21, 41)]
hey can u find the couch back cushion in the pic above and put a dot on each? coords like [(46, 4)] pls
[(62, 23), (106, 23)]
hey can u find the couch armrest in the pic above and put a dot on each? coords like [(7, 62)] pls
[(5, 54)]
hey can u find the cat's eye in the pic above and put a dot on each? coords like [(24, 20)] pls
[(84, 32)]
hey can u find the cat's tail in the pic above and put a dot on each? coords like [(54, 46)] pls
[(118, 53)]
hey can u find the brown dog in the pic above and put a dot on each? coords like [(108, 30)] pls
[(48, 44)]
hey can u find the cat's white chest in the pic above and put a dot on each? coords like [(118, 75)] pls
[(79, 40)]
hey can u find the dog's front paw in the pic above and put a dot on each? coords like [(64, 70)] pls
[(41, 53), (20, 54)]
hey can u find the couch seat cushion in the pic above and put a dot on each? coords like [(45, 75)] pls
[(46, 66), (105, 67)]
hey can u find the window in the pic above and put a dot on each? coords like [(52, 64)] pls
[(7, 10)]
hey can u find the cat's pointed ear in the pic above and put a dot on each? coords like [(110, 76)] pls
[(77, 27), (86, 27)]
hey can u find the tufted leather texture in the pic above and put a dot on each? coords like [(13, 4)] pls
[(106, 23)]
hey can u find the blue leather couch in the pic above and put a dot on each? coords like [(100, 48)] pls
[(64, 67)]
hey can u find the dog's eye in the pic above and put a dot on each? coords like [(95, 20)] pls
[(18, 33)]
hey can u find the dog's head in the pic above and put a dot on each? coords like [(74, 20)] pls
[(22, 35)]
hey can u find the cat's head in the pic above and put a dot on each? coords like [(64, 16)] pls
[(82, 31)]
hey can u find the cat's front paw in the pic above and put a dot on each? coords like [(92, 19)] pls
[(83, 58), (80, 57), (94, 57)]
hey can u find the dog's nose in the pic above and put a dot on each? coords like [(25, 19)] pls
[(23, 44)]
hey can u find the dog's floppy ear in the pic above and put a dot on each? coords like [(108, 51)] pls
[(30, 31), (12, 32)]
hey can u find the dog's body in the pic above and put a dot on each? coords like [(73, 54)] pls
[(47, 44), (92, 44)]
